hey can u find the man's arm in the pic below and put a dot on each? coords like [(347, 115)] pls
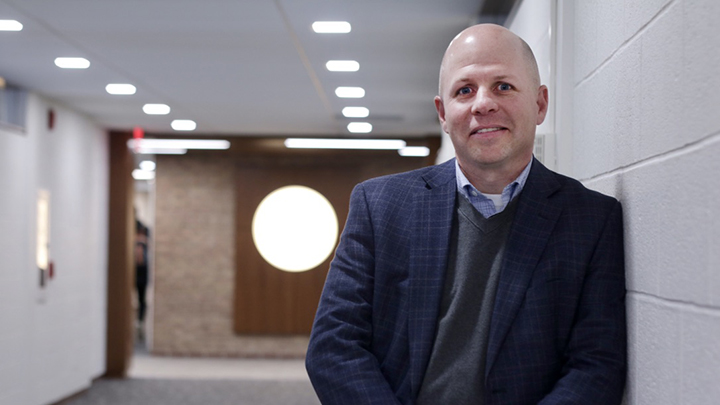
[(597, 360), (341, 366)]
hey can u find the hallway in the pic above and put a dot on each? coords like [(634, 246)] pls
[(189, 381)]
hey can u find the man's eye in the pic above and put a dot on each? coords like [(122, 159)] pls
[(504, 87), (464, 90)]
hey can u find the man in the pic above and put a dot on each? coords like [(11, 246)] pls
[(487, 279)]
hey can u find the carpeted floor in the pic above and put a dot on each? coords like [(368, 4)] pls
[(196, 392)]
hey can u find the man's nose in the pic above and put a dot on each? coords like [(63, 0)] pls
[(484, 102)]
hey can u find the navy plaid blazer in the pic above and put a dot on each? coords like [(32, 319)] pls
[(558, 331)]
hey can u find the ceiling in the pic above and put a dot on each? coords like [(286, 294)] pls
[(238, 67)]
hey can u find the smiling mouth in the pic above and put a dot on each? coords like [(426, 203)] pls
[(485, 130)]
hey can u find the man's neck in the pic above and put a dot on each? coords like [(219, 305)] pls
[(492, 180)]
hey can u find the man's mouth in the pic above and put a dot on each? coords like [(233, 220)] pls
[(485, 130)]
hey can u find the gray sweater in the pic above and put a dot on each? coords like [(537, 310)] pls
[(456, 371)]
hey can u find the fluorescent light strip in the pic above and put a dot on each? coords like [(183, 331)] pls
[(331, 27), (214, 144), (160, 151), (342, 66), (323, 143), (120, 89), (156, 109), (72, 63), (417, 151), (10, 25)]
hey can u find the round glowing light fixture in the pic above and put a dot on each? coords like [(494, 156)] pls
[(295, 228)]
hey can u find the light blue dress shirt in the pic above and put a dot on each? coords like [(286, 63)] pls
[(484, 204)]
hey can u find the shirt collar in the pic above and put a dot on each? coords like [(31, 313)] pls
[(483, 203)]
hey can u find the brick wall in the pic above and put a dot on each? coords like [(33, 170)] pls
[(195, 263)]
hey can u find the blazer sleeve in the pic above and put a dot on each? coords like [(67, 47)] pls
[(595, 370), (341, 366)]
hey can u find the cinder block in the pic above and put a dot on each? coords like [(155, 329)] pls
[(585, 44), (623, 113), (672, 226), (664, 89), (640, 13), (701, 37), (638, 248), (610, 16), (589, 144), (643, 234), (607, 115), (698, 371), (655, 353)]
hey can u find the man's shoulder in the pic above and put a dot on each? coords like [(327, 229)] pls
[(421, 177), (578, 194)]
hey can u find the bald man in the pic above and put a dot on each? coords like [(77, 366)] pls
[(488, 279)]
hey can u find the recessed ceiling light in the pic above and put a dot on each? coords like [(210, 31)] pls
[(359, 127), (120, 89), (156, 109), (325, 143), (139, 174), (350, 92), (342, 66), (72, 63), (10, 25), (355, 112), (331, 27), (147, 165), (418, 151), (183, 125)]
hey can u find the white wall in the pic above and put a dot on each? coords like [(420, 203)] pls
[(646, 128), (52, 340), (533, 21)]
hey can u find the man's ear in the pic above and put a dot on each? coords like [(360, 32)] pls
[(440, 107), (542, 102)]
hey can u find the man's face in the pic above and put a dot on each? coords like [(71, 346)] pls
[(490, 102)]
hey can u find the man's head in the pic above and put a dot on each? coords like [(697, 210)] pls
[(490, 99)]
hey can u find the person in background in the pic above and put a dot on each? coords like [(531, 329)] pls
[(487, 279), (141, 273)]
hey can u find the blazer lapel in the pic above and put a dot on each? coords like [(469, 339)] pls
[(428, 260), (534, 221)]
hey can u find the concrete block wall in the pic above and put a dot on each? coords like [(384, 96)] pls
[(646, 129), (52, 339)]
